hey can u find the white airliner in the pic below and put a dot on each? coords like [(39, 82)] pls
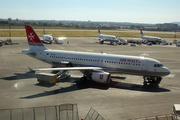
[(151, 39), (48, 39), (111, 38), (97, 66)]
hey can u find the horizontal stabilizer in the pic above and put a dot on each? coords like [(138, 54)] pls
[(28, 52)]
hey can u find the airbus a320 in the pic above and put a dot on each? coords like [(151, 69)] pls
[(96, 66)]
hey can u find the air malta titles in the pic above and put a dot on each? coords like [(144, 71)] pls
[(130, 60)]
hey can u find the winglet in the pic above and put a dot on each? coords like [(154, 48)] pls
[(33, 40), (31, 70)]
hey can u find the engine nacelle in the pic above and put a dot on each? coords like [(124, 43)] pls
[(101, 77), (101, 41)]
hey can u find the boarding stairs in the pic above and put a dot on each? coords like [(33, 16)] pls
[(62, 74)]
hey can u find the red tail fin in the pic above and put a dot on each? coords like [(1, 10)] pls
[(141, 31), (31, 35), (99, 30), (33, 39)]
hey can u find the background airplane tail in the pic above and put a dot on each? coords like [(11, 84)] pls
[(141, 31), (44, 31), (33, 40), (99, 32)]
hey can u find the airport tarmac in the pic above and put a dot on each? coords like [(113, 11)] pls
[(125, 98)]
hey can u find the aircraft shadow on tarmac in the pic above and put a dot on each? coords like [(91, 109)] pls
[(18, 76), (91, 84)]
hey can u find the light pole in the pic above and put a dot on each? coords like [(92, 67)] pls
[(9, 20), (175, 26)]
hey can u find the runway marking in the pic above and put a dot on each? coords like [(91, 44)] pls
[(165, 59), (175, 87), (168, 46), (159, 46), (172, 62), (72, 44), (171, 75), (83, 48), (175, 71), (144, 54), (89, 50)]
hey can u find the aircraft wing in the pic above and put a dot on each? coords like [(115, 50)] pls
[(70, 68)]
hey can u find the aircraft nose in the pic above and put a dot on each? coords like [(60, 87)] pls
[(166, 71)]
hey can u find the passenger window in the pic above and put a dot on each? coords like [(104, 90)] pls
[(154, 65)]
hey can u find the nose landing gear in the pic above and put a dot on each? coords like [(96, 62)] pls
[(152, 81)]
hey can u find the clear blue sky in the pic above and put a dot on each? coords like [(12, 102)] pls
[(136, 11)]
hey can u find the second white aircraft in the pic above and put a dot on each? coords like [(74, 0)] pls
[(48, 39), (151, 39), (112, 39)]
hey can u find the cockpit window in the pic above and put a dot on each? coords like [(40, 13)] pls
[(158, 65)]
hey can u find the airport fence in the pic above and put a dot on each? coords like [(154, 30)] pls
[(160, 117), (93, 115), (59, 112)]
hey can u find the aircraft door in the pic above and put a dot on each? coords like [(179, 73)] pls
[(42, 56), (46, 57), (144, 65), (100, 62)]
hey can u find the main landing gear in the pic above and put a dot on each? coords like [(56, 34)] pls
[(101, 42), (152, 81), (84, 78)]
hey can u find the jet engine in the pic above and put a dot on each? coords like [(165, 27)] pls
[(101, 77)]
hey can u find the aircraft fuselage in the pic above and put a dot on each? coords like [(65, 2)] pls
[(110, 63)]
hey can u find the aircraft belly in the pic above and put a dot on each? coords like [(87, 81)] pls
[(135, 72)]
